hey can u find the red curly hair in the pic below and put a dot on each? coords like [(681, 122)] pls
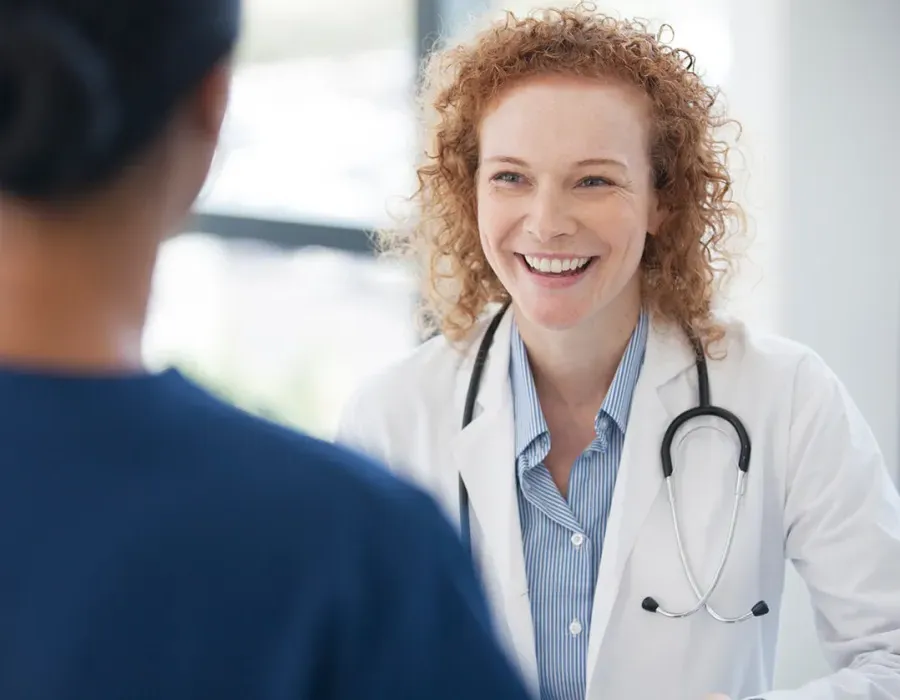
[(687, 259)]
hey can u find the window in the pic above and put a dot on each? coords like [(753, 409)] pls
[(318, 141), (288, 334), (320, 125)]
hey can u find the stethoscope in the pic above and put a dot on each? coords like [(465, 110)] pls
[(704, 408)]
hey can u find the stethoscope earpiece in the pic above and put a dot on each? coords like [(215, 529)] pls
[(760, 609), (649, 604)]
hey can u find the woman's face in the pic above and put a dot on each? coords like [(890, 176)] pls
[(565, 196)]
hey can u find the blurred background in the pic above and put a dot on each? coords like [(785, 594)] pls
[(273, 299)]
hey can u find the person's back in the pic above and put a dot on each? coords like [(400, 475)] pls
[(155, 542), (158, 544)]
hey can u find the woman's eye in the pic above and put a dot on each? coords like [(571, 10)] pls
[(509, 178), (594, 181)]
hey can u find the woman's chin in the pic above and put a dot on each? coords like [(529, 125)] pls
[(556, 315)]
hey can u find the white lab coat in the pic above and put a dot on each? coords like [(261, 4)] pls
[(818, 493)]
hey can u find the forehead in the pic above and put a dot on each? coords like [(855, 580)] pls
[(561, 117)]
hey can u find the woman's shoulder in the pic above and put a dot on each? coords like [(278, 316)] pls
[(408, 390), (752, 347), (429, 365)]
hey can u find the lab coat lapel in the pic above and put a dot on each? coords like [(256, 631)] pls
[(484, 454), (639, 481)]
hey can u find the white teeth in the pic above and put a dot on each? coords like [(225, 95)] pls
[(555, 265)]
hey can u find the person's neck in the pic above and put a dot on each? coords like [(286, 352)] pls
[(575, 367), (74, 291)]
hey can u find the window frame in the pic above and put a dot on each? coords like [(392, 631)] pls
[(434, 19)]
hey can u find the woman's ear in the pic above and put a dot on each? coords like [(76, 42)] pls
[(656, 216), (212, 99)]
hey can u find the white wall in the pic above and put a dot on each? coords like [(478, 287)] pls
[(841, 249), (821, 105)]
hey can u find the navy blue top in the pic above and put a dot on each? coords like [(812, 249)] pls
[(157, 543)]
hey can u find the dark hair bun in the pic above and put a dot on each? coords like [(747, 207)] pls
[(57, 110)]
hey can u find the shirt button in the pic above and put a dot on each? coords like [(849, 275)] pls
[(577, 539), (575, 628)]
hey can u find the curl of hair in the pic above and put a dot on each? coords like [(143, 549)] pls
[(684, 262)]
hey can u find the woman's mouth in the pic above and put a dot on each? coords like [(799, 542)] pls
[(557, 266)]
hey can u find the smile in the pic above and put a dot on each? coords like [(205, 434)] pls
[(557, 266)]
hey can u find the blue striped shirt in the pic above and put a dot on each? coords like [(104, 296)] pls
[(563, 540)]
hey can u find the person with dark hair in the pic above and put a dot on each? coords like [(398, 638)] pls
[(156, 543)]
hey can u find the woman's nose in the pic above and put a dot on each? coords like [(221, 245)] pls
[(548, 217)]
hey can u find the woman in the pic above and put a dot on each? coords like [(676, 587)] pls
[(575, 173), (155, 542)]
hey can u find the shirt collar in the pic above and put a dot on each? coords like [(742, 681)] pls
[(529, 418), (617, 404)]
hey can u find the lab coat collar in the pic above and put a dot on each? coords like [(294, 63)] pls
[(484, 455)]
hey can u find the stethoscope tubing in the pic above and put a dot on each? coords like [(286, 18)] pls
[(704, 408)]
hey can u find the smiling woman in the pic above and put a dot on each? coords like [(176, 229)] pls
[(651, 125), (575, 177)]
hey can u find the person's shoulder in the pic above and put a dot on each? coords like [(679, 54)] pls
[(753, 342), (292, 491), (752, 348), (241, 448), (435, 360), (407, 390)]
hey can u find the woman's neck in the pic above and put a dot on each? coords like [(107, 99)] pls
[(73, 296), (575, 367)]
